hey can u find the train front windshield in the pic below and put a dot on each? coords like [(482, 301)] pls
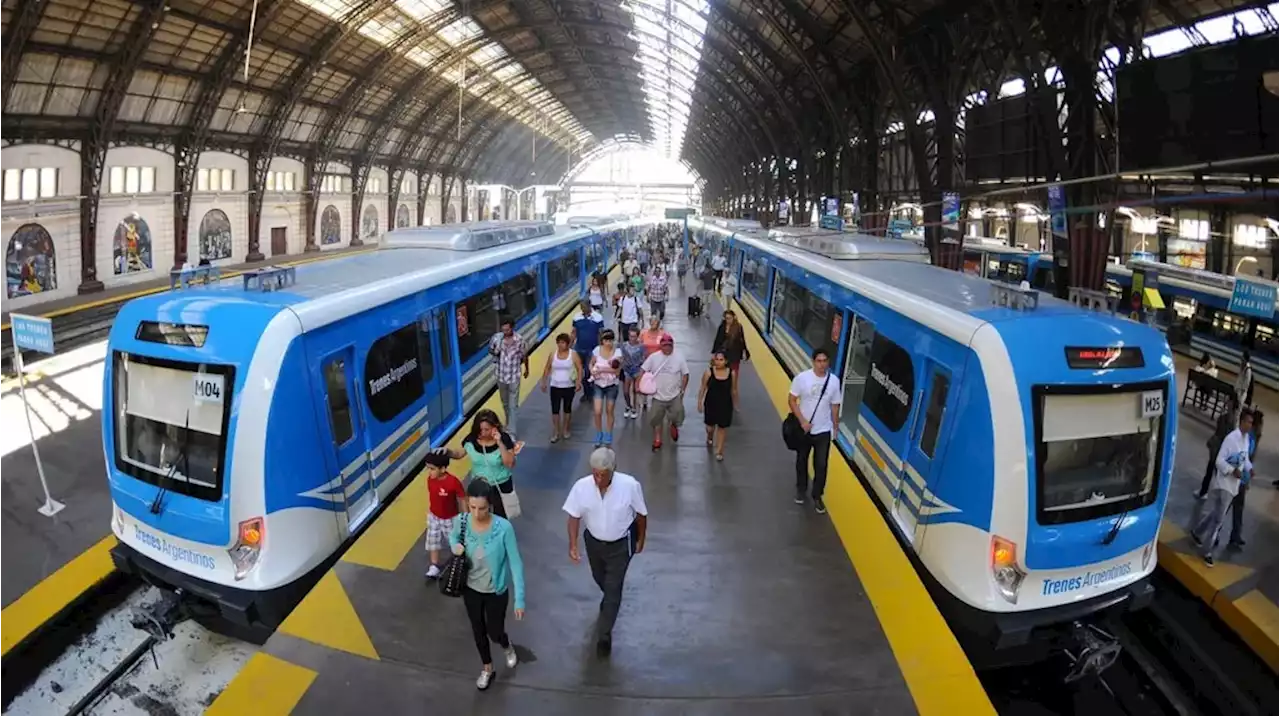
[(171, 422), (1096, 455)]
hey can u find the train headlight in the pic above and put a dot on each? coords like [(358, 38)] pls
[(1147, 553), (244, 555), (1004, 568), (117, 519)]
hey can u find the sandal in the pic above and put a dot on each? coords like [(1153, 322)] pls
[(657, 445)]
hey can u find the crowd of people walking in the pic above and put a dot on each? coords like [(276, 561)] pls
[(616, 348)]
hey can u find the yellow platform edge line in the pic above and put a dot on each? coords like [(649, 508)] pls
[(398, 529), (265, 686), (55, 593), (1253, 617), (160, 289), (937, 673)]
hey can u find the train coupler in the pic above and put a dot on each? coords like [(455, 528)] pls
[(1095, 652)]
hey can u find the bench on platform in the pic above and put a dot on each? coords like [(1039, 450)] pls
[(1208, 393)]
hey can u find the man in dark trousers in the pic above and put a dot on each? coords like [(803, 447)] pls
[(611, 504)]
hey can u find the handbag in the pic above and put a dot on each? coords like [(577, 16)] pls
[(792, 431), (454, 576), (648, 384), (511, 504)]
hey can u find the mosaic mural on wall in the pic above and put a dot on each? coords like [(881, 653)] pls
[(369, 222), (330, 226), (402, 216), (215, 236), (29, 264), (131, 246)]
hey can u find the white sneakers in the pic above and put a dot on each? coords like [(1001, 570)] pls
[(486, 677), (433, 572)]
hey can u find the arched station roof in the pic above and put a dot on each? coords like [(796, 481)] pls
[(492, 90)]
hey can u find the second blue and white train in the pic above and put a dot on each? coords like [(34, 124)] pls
[(1021, 447)]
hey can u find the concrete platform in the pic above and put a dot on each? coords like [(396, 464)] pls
[(742, 602), (1241, 587), (50, 562)]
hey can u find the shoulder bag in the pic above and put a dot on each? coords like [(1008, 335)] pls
[(648, 384), (454, 576), (792, 431)]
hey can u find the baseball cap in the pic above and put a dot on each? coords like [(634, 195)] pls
[(667, 340)]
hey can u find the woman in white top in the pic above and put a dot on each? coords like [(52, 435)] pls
[(563, 375), (595, 294), (606, 366)]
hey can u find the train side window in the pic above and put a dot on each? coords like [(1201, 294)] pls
[(857, 364), (934, 413), (516, 298), (890, 383), (335, 383), (391, 360)]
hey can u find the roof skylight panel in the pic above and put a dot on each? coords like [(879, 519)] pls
[(459, 31), (333, 8), (423, 9)]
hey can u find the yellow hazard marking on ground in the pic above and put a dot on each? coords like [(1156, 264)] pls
[(265, 686), (121, 298), (326, 617), (1189, 568), (1253, 617), (1256, 620), (937, 672), (55, 593)]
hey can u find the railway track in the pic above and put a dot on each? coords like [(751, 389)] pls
[(1175, 659), (70, 331), (126, 662)]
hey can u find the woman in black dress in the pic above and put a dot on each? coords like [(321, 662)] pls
[(717, 401)]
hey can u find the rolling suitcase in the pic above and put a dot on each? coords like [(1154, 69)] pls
[(695, 306)]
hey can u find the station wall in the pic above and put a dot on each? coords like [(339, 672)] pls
[(40, 222)]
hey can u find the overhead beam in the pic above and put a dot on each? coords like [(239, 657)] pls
[(93, 149)]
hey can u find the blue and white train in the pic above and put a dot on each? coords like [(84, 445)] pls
[(1019, 446), (254, 426)]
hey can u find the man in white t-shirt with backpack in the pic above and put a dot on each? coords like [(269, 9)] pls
[(815, 401)]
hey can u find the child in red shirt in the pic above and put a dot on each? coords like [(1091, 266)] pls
[(447, 500)]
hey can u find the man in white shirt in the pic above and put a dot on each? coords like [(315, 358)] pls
[(814, 399), (1232, 462), (719, 264), (671, 374), (611, 505), (629, 312)]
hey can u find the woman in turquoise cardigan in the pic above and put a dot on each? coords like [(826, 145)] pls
[(490, 545), (493, 457)]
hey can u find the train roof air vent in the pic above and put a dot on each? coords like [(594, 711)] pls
[(194, 275), (1019, 298), (270, 278), (472, 236), (1091, 300)]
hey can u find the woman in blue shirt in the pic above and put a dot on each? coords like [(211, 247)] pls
[(492, 452), (489, 541)]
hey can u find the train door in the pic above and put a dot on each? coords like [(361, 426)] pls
[(347, 427), (443, 386), (923, 450)]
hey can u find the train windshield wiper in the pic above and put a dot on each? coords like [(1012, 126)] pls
[(157, 505)]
